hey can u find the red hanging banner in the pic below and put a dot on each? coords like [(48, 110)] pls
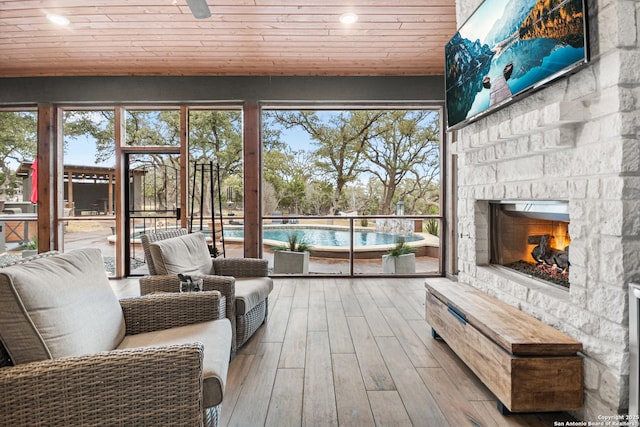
[(34, 181)]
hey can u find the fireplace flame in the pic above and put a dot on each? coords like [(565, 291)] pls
[(560, 236)]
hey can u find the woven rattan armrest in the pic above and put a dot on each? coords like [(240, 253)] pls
[(163, 311), (226, 285), (241, 267), (144, 386), (170, 283)]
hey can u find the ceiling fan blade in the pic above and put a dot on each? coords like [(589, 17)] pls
[(199, 8)]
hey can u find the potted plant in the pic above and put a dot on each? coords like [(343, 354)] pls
[(292, 258), (29, 248), (400, 260)]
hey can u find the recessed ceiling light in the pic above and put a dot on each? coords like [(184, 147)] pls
[(58, 19), (348, 18)]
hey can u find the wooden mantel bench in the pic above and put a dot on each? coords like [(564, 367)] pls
[(528, 365)]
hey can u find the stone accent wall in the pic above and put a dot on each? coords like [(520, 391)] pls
[(576, 140)]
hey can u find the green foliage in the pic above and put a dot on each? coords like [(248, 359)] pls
[(340, 141), (434, 206), (99, 125), (432, 227), (401, 248), (293, 194), (317, 197), (18, 141), (405, 145), (31, 245), (213, 251), (216, 135), (294, 245), (153, 127)]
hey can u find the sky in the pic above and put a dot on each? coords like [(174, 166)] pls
[(480, 23), (297, 139), (82, 151)]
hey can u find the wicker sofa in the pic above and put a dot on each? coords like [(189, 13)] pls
[(74, 354), (243, 281)]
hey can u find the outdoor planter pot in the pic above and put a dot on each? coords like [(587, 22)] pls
[(26, 253), (290, 262), (399, 264), (30, 249)]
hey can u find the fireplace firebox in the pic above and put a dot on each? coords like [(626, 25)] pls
[(532, 238)]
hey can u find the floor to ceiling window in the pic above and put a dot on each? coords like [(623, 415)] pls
[(89, 152), (356, 187), (18, 170), (216, 185), (153, 195), (88, 175)]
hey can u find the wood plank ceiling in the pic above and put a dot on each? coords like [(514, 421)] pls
[(242, 37)]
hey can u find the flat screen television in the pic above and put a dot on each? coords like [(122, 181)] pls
[(509, 48)]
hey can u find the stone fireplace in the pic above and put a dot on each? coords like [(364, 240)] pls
[(575, 141)]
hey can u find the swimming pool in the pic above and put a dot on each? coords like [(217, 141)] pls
[(328, 241), (328, 236)]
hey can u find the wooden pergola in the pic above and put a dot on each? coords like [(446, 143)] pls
[(77, 174)]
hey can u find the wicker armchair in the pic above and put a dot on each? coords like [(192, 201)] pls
[(243, 281), (167, 378)]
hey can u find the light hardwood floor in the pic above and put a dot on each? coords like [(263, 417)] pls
[(354, 352)]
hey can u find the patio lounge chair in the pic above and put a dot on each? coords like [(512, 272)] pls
[(243, 281), (73, 354)]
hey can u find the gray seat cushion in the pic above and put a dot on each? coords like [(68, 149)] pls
[(59, 306), (188, 254), (251, 291), (216, 355)]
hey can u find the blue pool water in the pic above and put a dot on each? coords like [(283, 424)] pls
[(328, 236)]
